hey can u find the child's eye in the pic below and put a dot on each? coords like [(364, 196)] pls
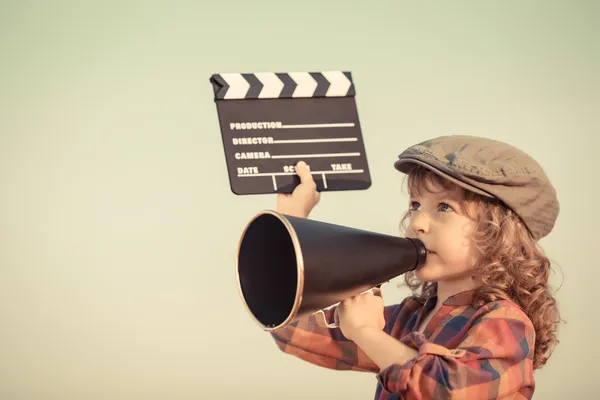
[(414, 205), (445, 207)]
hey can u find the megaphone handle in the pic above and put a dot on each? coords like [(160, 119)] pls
[(320, 315), (322, 321)]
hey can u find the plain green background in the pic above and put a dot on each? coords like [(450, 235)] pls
[(118, 227)]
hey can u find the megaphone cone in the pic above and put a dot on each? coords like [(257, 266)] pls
[(290, 267)]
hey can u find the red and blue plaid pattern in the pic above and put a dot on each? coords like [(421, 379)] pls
[(464, 352)]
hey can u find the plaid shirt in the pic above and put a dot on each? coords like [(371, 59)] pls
[(464, 352)]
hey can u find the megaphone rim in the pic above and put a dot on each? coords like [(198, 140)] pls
[(299, 268)]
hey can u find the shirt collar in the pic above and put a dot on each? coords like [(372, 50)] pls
[(464, 298), (460, 299)]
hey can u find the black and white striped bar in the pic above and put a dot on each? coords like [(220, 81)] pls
[(273, 85)]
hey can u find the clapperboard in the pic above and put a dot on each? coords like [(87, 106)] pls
[(271, 121)]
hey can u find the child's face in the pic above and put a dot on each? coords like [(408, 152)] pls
[(438, 219)]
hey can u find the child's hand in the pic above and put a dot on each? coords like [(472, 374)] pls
[(362, 311), (304, 197)]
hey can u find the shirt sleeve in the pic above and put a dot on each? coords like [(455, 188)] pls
[(328, 347), (495, 360)]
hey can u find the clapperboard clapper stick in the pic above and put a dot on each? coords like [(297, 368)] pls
[(271, 121)]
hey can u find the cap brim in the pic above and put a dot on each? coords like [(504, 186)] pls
[(405, 165)]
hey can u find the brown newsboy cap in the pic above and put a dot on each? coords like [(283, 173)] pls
[(493, 169)]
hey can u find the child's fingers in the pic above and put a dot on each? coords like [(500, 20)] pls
[(303, 171)]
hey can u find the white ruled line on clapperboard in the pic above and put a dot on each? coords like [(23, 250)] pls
[(321, 140), (340, 125)]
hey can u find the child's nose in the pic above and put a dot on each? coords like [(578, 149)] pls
[(419, 222)]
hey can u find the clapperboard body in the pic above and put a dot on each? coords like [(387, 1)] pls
[(271, 121)]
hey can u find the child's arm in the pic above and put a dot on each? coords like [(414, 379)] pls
[(326, 347), (382, 348), (495, 360)]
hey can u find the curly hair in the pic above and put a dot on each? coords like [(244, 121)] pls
[(511, 265)]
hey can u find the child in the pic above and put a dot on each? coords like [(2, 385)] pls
[(484, 318)]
